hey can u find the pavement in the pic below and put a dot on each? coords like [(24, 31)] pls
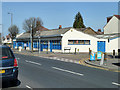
[(111, 64), (37, 72)]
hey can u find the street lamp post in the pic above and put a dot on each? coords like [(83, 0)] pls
[(39, 40), (11, 18), (11, 23)]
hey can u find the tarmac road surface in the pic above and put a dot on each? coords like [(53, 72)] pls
[(37, 72)]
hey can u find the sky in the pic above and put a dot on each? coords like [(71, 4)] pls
[(54, 14)]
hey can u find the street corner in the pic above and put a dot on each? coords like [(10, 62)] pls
[(88, 63), (81, 62)]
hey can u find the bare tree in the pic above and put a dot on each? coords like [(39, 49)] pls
[(32, 25), (13, 30)]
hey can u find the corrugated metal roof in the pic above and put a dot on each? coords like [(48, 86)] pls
[(51, 33)]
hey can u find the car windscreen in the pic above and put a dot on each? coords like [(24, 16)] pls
[(5, 53)]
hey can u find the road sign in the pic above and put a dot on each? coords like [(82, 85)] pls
[(99, 55), (92, 56)]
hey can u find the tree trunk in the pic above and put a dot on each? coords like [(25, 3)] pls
[(12, 44)]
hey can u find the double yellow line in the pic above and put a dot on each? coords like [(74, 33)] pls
[(81, 62)]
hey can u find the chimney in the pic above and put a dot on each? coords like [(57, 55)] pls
[(60, 26), (108, 19), (99, 30)]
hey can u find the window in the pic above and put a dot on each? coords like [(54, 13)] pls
[(87, 42), (7, 38), (70, 41), (6, 53), (81, 41), (78, 42)]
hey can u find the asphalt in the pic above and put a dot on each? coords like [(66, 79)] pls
[(37, 72), (111, 64)]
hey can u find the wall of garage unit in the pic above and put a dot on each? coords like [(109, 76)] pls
[(113, 44), (70, 41), (45, 45), (82, 42)]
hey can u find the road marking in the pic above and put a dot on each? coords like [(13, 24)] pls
[(71, 60), (17, 58), (57, 59), (115, 83), (28, 87), (67, 71), (32, 62), (66, 60)]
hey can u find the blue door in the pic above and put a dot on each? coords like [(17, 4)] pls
[(51, 46), (101, 46), (41, 47)]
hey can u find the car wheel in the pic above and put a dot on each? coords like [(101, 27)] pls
[(14, 82)]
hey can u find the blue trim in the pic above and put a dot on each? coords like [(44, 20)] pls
[(78, 44)]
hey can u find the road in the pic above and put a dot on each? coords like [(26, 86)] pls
[(36, 72)]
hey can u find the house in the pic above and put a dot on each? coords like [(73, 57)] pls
[(7, 40), (63, 40), (112, 34), (113, 25), (112, 42)]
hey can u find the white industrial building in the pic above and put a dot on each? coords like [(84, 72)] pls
[(81, 41), (65, 40), (74, 39)]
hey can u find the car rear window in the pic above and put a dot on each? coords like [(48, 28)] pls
[(6, 53)]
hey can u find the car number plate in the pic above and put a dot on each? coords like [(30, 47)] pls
[(2, 71)]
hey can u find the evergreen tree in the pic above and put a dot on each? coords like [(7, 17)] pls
[(78, 23)]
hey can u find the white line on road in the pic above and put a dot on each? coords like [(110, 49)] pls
[(115, 83), (32, 62), (67, 71), (28, 87), (17, 58)]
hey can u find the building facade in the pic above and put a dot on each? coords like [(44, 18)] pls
[(112, 33), (113, 25), (63, 40)]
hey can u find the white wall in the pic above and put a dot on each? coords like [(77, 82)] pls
[(112, 26), (7, 41), (77, 35), (113, 45)]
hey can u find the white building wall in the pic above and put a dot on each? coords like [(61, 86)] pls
[(113, 45), (73, 34), (112, 26), (7, 41)]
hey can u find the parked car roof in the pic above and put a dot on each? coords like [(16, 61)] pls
[(3, 46)]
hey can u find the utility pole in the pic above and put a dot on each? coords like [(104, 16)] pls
[(31, 37)]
